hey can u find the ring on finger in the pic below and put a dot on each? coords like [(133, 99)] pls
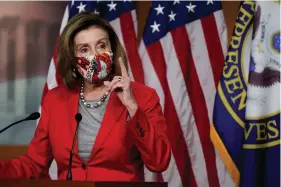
[(119, 79)]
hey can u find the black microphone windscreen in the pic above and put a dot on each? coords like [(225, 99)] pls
[(78, 117), (33, 116)]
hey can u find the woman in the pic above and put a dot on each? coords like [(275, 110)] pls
[(122, 127)]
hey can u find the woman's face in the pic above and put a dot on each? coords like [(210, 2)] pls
[(91, 41)]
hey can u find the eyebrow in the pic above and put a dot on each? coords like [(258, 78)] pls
[(86, 44)]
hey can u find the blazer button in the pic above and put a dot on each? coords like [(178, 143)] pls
[(31, 177), (141, 132), (83, 166)]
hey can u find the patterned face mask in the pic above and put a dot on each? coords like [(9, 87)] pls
[(95, 68)]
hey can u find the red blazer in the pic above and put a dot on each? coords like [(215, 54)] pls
[(121, 149)]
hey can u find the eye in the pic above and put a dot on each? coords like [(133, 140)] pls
[(102, 46), (84, 50)]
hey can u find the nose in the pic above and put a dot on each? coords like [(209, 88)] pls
[(93, 52)]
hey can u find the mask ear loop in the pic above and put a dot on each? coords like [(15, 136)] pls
[(75, 72)]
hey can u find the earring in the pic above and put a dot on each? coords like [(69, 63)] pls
[(74, 73)]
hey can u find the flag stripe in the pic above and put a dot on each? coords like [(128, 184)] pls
[(54, 60), (215, 33), (175, 134), (202, 64), (130, 43), (202, 91), (135, 21), (204, 68), (51, 81), (171, 175), (196, 98), (224, 177), (213, 44), (150, 76), (152, 80), (184, 110), (222, 30), (64, 19)]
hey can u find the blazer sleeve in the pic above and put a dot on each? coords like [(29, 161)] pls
[(35, 164), (149, 129)]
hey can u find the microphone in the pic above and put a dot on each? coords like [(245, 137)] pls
[(78, 118), (33, 116)]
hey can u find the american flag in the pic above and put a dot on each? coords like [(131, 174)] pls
[(181, 56), (182, 50)]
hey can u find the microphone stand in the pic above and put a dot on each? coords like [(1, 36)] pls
[(78, 118)]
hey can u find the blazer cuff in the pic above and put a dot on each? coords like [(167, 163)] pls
[(138, 123)]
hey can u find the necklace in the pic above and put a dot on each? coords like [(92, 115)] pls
[(96, 105)]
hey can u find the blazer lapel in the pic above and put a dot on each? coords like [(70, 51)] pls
[(113, 112)]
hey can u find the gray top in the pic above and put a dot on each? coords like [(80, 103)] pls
[(89, 127)]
